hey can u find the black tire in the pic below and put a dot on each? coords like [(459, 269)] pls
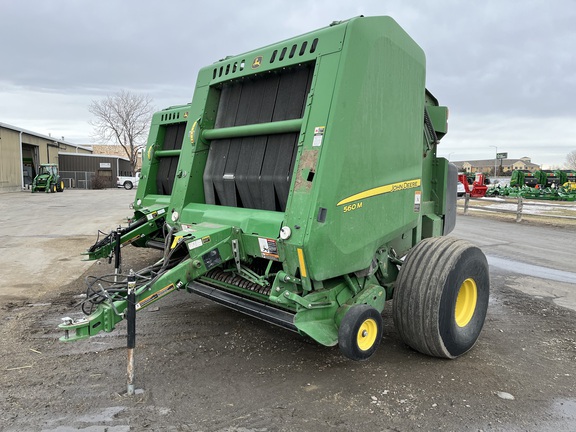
[(60, 186), (441, 297), (128, 185), (360, 332)]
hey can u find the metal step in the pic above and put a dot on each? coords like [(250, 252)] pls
[(261, 311)]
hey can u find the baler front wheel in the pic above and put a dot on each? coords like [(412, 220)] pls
[(360, 332), (441, 297)]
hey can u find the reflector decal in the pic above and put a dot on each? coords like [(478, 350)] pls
[(303, 272)]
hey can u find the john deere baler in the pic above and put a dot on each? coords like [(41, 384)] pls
[(301, 186)]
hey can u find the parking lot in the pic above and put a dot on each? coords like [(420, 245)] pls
[(202, 367)]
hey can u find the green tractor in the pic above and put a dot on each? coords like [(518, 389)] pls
[(302, 186), (48, 179)]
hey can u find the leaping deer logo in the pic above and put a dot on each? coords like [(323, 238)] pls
[(257, 62)]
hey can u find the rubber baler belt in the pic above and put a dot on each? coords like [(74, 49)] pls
[(256, 172), (173, 137)]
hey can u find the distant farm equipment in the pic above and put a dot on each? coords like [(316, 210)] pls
[(48, 179), (559, 185), (478, 187)]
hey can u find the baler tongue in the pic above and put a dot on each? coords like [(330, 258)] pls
[(188, 254)]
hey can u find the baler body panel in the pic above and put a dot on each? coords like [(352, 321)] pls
[(369, 142), (359, 96)]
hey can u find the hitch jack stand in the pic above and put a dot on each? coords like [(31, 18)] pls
[(131, 324), (117, 258)]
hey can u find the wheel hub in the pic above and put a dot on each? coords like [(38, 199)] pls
[(466, 302), (367, 334)]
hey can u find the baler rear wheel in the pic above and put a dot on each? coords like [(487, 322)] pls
[(441, 297), (360, 332)]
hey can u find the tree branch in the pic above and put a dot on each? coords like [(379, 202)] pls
[(123, 118)]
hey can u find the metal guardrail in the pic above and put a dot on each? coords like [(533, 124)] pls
[(519, 212)]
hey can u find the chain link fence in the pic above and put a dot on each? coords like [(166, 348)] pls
[(77, 179)]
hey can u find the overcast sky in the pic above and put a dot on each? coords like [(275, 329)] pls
[(505, 69)]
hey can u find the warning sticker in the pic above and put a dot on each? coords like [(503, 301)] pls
[(152, 215), (318, 136), (198, 242), (417, 201), (195, 244), (268, 248)]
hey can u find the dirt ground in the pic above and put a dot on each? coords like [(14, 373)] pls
[(202, 367)]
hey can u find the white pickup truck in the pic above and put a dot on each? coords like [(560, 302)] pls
[(128, 182)]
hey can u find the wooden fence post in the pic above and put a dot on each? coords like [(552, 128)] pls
[(466, 201), (519, 209)]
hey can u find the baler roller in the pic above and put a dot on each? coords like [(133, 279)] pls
[(259, 129), (230, 278)]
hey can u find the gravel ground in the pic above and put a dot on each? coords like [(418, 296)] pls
[(202, 367)]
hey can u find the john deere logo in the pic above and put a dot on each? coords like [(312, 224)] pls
[(257, 62)]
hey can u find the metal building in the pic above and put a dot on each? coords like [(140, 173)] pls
[(79, 170), (22, 151)]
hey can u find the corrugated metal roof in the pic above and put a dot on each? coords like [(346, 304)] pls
[(39, 135), (94, 155)]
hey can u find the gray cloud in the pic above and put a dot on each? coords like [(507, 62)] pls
[(506, 66)]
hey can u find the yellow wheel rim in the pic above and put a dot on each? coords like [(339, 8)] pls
[(367, 334), (466, 302)]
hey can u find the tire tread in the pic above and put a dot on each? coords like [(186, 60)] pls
[(419, 289)]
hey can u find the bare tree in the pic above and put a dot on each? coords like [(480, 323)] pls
[(571, 160), (123, 118)]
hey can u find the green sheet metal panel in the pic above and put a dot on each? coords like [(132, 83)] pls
[(372, 139)]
